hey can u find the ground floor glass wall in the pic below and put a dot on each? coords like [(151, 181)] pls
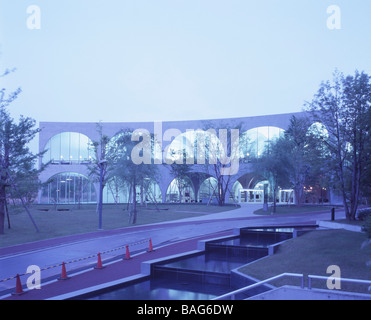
[(68, 188), (117, 192), (180, 191), (208, 190)]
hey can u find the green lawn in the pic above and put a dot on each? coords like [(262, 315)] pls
[(312, 253), (54, 223)]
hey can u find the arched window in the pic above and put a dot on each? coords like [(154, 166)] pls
[(180, 190), (208, 190), (68, 188), (233, 196), (319, 130), (254, 141), (69, 148), (202, 146), (320, 134)]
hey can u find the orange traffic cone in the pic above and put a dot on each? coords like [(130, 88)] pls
[(99, 263), (18, 288), (127, 255), (150, 245), (64, 273)]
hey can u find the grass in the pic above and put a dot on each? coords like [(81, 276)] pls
[(282, 210), (54, 223), (313, 253)]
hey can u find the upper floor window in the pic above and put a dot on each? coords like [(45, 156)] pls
[(68, 148), (254, 141)]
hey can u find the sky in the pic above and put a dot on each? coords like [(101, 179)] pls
[(151, 60)]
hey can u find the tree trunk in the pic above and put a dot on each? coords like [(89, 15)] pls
[(297, 197), (7, 213), (141, 195), (274, 199), (340, 174), (134, 203), (2, 208)]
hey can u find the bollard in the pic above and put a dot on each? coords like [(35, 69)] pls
[(333, 214)]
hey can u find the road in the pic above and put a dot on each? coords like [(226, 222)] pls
[(138, 239)]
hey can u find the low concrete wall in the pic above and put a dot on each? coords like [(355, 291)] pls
[(296, 293), (337, 225)]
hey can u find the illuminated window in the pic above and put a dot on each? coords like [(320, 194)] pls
[(208, 190), (116, 191), (255, 141), (180, 190), (68, 188), (68, 148), (202, 146)]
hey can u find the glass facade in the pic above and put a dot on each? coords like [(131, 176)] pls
[(68, 188), (194, 143), (76, 148), (180, 191), (208, 188), (69, 148), (116, 192), (233, 196), (254, 141), (318, 129)]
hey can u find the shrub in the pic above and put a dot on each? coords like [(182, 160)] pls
[(362, 214)]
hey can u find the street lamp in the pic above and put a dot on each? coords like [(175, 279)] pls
[(101, 165)]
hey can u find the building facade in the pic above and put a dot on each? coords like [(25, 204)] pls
[(69, 152)]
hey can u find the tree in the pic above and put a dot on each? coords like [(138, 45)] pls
[(131, 162), (366, 176), (272, 166), (302, 145), (221, 155), (99, 167), (17, 163), (343, 107), (180, 172), (296, 150)]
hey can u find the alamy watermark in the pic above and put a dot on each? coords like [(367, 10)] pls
[(34, 281), (33, 21), (334, 281), (334, 19), (217, 147)]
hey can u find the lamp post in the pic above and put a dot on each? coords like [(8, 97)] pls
[(101, 165), (265, 195)]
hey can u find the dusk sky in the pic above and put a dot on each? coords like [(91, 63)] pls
[(145, 60)]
